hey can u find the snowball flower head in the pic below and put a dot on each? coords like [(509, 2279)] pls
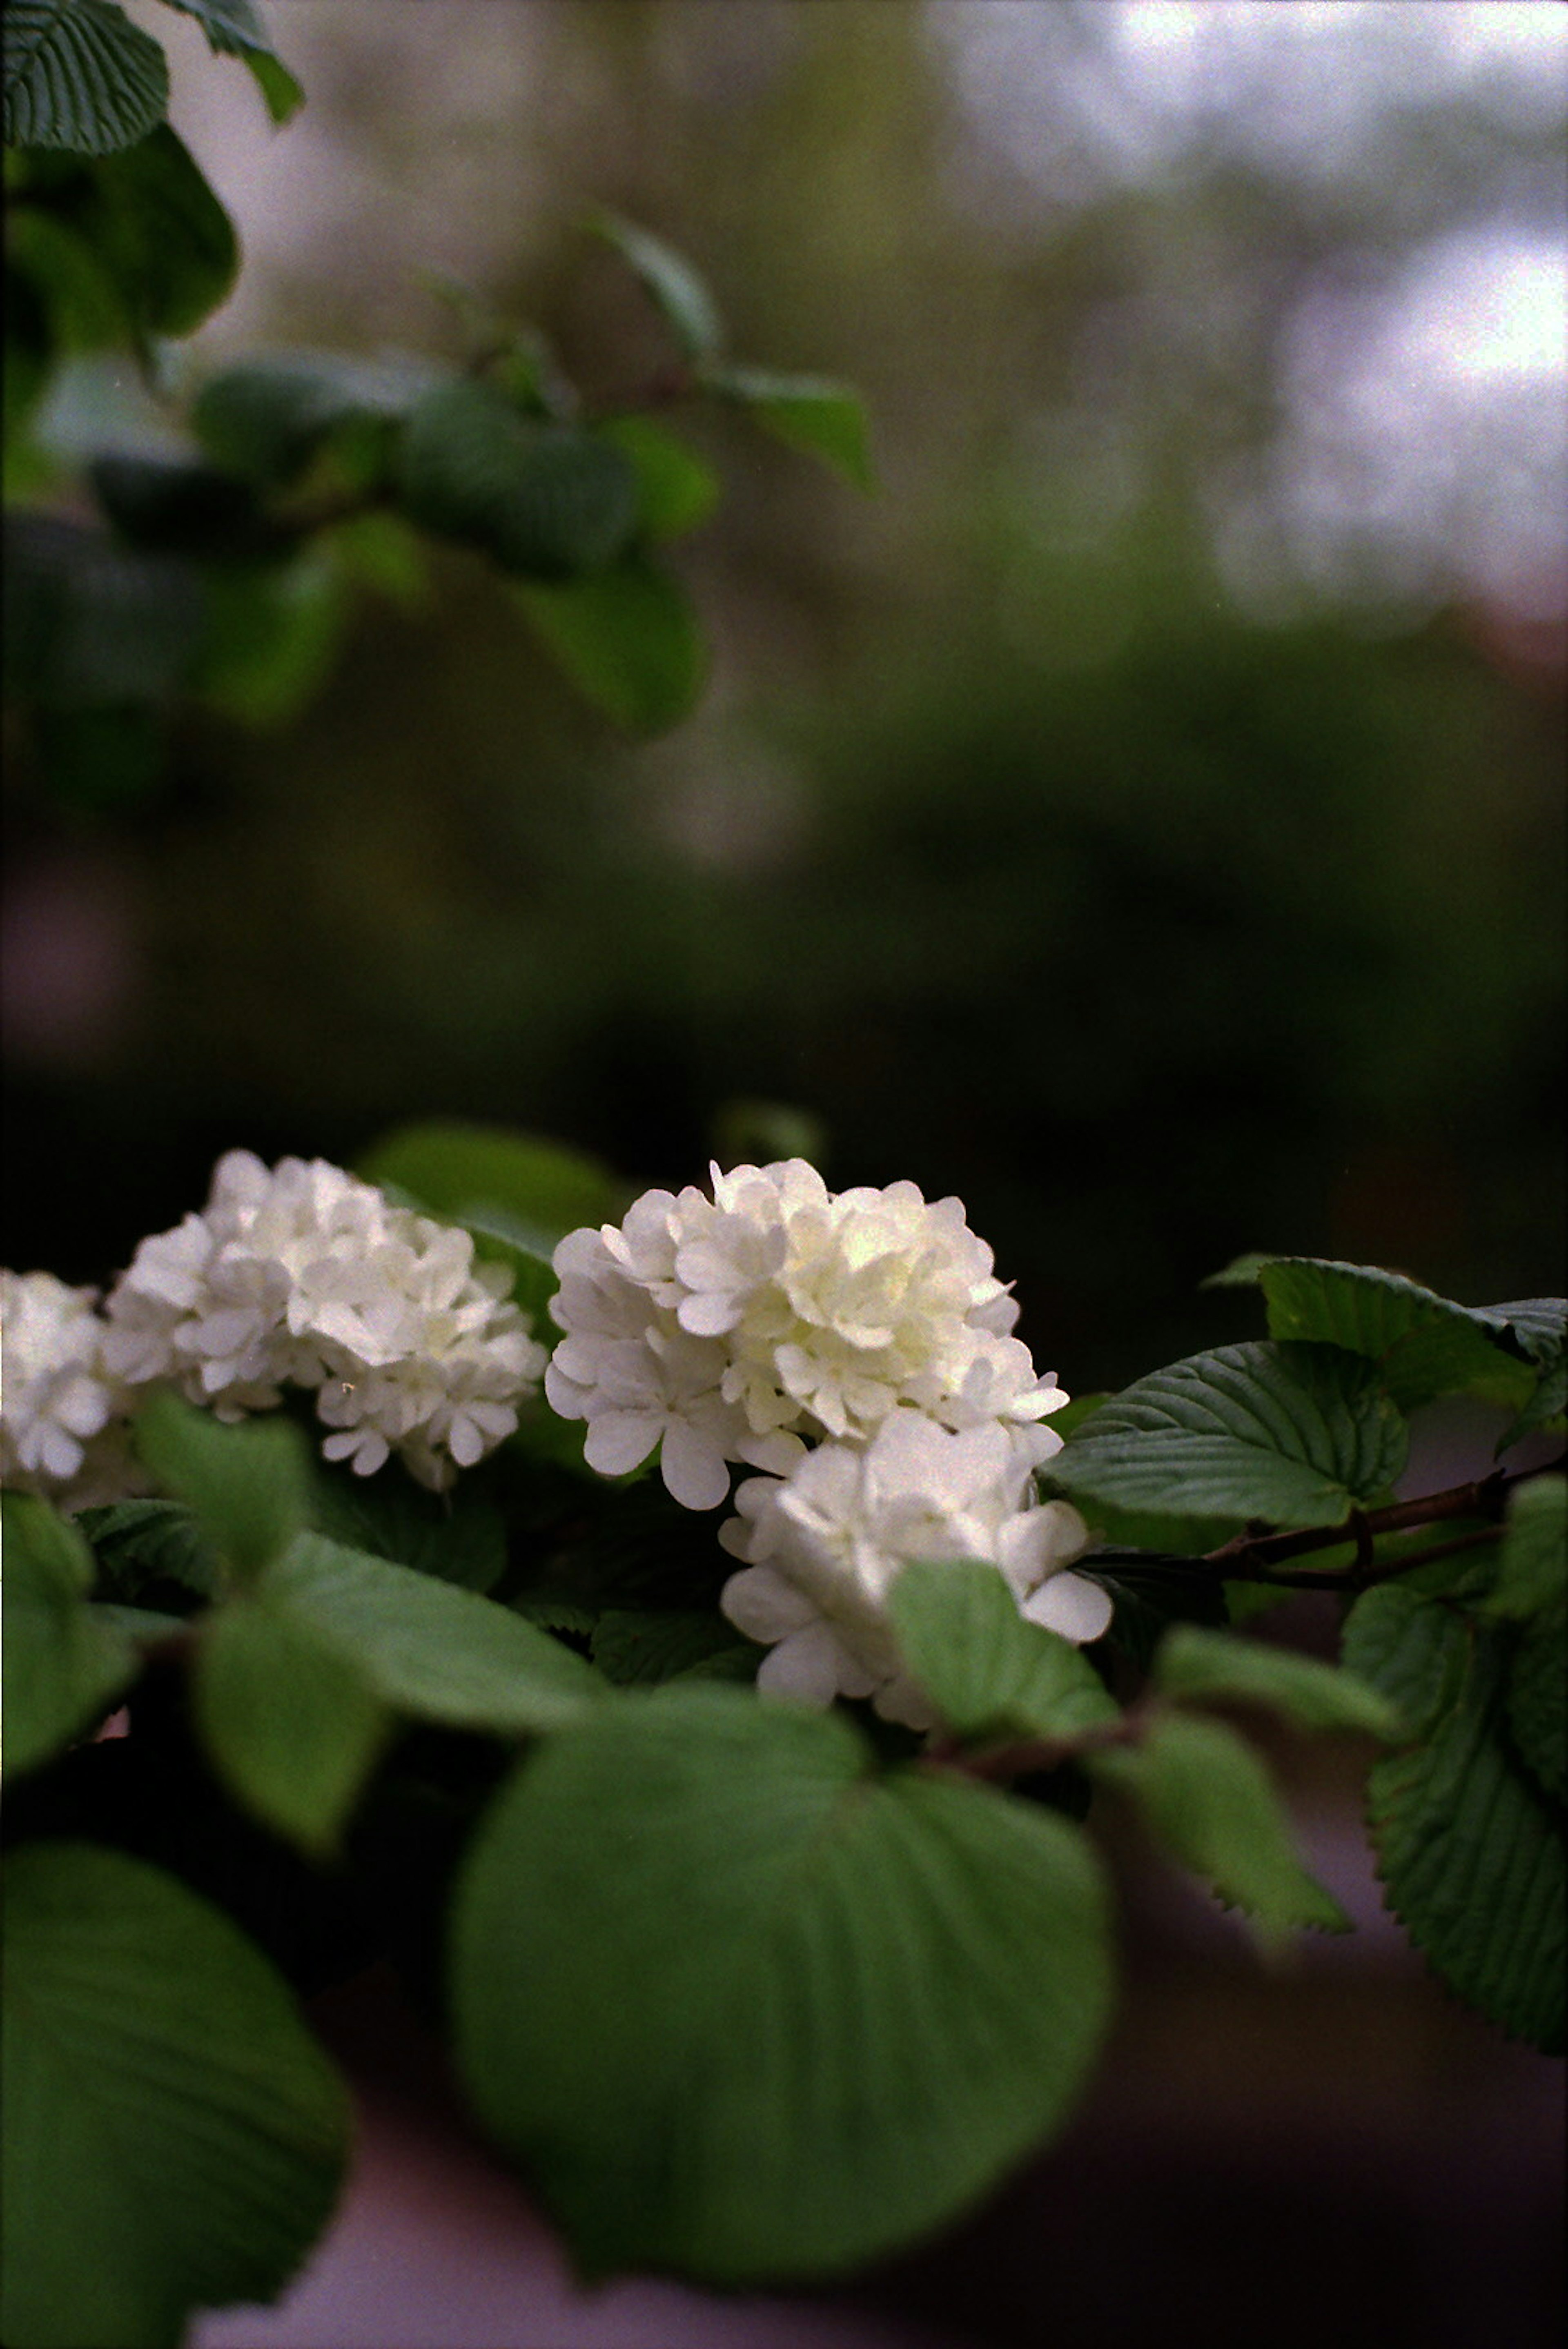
[(62, 1425), (301, 1274), (779, 1313), (825, 1546)]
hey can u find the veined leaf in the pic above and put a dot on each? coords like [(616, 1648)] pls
[(80, 76), (1197, 1666), (644, 1647), (1206, 1797), (988, 1671), (1532, 1564), (745, 2009), (174, 2137), (1425, 1344), (62, 1664), (1470, 1846), (1538, 1699), (429, 1649), (1296, 1435)]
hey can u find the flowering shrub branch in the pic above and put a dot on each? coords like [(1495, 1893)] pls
[(760, 1756)]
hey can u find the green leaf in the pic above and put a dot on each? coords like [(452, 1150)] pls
[(1538, 1699), (1195, 1666), (1149, 1593), (1294, 1436), (235, 29), (248, 1485), (1072, 1415), (1469, 1847), (628, 640), (988, 1671), (676, 289), (547, 501), (676, 491), (1532, 1561), (643, 1647), (458, 1536), (80, 75), (1425, 1345), (93, 625), (537, 1191), (746, 2011), (165, 239), (826, 420), (138, 1543), (170, 506), (61, 1666), (174, 2137), (273, 632), (292, 1725), (427, 1648), (1205, 1796), (263, 420)]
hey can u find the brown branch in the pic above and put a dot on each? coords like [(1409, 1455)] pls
[(1252, 1558)]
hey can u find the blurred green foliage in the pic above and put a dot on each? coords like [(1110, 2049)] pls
[(1008, 845)]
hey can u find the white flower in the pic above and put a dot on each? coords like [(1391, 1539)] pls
[(825, 1546), (303, 1276), (779, 1310), (62, 1428)]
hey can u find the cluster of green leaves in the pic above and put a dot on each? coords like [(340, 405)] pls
[(749, 1992), (1254, 1454), (234, 538)]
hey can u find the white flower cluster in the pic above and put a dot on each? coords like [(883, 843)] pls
[(867, 1324), (62, 1426), (303, 1276)]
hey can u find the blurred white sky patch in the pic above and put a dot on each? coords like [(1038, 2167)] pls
[(1423, 449)]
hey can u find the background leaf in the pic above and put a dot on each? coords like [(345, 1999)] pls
[(62, 1666), (644, 1647), (676, 288), (629, 639), (547, 501), (236, 28), (1294, 1436), (456, 1171), (1196, 1666), (1469, 1847), (80, 76), (805, 2014), (249, 1485), (825, 419), (173, 2136), (988, 1671), (293, 1726), (1206, 1797), (676, 491)]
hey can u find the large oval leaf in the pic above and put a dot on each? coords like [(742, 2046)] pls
[(174, 2137), (746, 2010)]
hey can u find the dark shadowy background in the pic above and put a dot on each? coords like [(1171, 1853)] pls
[(1143, 818)]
